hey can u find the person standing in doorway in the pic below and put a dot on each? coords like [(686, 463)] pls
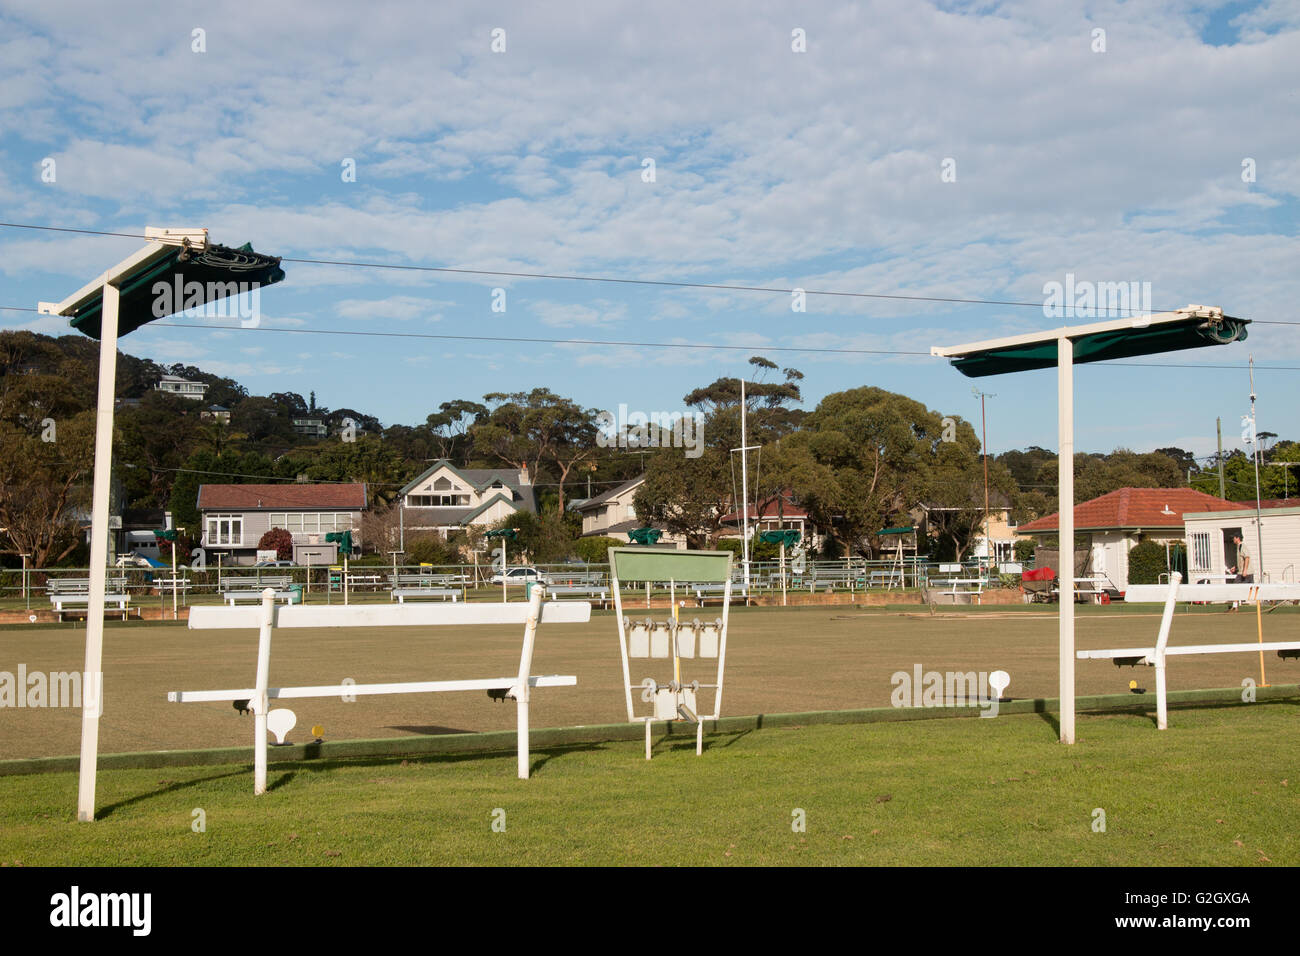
[(1245, 573)]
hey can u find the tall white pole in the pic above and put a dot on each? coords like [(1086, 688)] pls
[(1257, 572), (744, 485), (175, 613), (260, 702), (91, 710), (1065, 466)]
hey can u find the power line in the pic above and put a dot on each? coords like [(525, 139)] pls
[(567, 277)]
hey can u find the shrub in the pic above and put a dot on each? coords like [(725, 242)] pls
[(596, 550), (1146, 562), (279, 539), (1024, 550)]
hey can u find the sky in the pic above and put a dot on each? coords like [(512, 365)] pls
[(898, 148)]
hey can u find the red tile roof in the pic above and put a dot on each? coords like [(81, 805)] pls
[(1135, 508), (350, 497)]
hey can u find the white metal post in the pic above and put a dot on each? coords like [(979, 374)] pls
[(259, 702), (175, 614), (1162, 642), (744, 484), (90, 711), (1065, 471), (522, 690)]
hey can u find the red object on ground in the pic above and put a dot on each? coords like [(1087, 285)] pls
[(1038, 574)]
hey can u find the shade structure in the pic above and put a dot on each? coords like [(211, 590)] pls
[(785, 536), (906, 529), (1195, 326), (645, 535), (1190, 328), (192, 272), (191, 278)]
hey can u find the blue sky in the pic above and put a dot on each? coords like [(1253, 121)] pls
[(820, 169)]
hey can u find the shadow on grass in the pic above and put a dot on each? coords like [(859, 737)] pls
[(169, 787), (676, 742), (538, 758), (430, 730)]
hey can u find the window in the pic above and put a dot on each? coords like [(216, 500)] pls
[(225, 530), (437, 501), (1201, 551), (442, 484), (305, 523)]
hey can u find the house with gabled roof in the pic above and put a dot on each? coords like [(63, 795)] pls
[(445, 498), (234, 518), (613, 514), (1117, 521)]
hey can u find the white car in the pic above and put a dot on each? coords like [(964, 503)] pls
[(520, 576)]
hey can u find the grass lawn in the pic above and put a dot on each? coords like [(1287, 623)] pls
[(1218, 788), (779, 660)]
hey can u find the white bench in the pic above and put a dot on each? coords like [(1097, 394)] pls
[(401, 595), (73, 594), (705, 592), (595, 594), (268, 616), (1171, 594), (248, 597), (971, 586)]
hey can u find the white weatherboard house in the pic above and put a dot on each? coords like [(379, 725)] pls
[(236, 516), (1116, 522), (445, 498), (1211, 550), (613, 513)]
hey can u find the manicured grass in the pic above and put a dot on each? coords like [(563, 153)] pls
[(779, 660), (1218, 788)]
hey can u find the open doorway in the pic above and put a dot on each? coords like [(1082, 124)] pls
[(1230, 550)]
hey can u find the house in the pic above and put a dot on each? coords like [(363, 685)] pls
[(216, 413), (999, 536), (613, 513), (777, 512), (235, 517), (1274, 545), (310, 427), (175, 385), (445, 498), (1116, 522)]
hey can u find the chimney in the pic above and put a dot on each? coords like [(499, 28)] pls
[(523, 475)]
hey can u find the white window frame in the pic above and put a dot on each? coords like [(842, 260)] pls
[(233, 536)]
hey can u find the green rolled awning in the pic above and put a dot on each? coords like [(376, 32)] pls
[(785, 536), (189, 280), (901, 530), (1195, 332)]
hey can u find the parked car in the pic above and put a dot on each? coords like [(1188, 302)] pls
[(520, 576), (274, 564)]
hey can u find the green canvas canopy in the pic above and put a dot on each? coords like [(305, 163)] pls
[(698, 567), (903, 530), (645, 535), (787, 537), (201, 277), (1128, 342)]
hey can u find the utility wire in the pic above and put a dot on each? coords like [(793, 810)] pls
[(567, 277)]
